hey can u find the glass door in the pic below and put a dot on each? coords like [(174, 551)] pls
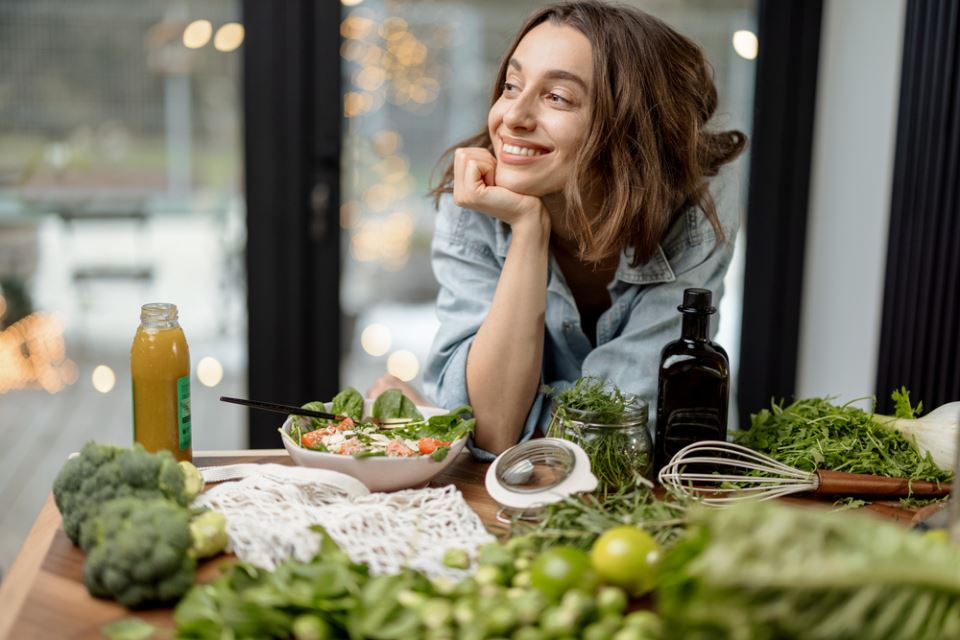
[(120, 184)]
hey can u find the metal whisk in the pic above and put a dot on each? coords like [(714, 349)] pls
[(718, 473)]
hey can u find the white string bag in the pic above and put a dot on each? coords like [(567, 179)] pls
[(270, 509)]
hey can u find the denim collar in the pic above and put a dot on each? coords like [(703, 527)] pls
[(656, 269)]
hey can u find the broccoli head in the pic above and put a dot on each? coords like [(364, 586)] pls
[(103, 472), (139, 551)]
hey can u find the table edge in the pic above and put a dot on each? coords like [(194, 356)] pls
[(26, 565)]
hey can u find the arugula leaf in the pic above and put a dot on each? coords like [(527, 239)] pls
[(903, 408), (393, 404), (348, 402), (813, 433)]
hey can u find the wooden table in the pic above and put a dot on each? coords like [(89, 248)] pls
[(43, 596)]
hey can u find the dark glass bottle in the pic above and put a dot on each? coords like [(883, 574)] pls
[(693, 390)]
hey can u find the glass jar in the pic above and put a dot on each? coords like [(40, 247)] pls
[(619, 452)]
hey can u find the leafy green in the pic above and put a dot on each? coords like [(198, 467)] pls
[(332, 597), (129, 629), (393, 404), (815, 434), (349, 402), (762, 571)]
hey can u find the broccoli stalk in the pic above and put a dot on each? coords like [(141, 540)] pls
[(103, 472)]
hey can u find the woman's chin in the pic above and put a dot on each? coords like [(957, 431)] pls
[(526, 185)]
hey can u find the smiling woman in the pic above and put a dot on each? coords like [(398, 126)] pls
[(570, 226)]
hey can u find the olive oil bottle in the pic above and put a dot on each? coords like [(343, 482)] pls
[(694, 384)]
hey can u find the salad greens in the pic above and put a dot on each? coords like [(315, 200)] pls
[(393, 404), (814, 434), (365, 438)]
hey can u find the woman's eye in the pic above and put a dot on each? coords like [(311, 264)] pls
[(509, 88), (557, 99)]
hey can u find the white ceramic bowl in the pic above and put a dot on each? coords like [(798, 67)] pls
[(378, 473)]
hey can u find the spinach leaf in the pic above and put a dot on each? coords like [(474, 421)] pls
[(311, 424), (393, 404), (348, 402)]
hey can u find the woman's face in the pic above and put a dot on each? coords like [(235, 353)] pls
[(541, 118)]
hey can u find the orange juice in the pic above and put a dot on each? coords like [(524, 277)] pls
[(160, 369)]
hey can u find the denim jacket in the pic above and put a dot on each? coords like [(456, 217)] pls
[(468, 252)]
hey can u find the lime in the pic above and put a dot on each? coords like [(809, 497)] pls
[(559, 569), (627, 557)]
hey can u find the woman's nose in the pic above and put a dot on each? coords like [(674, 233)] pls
[(521, 114)]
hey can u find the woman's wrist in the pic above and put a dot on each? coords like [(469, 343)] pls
[(533, 224)]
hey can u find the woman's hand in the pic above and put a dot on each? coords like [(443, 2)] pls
[(474, 187), (388, 381)]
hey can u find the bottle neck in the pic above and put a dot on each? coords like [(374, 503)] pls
[(158, 315), (696, 326)]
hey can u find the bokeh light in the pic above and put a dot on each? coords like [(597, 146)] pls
[(209, 371), (197, 34), (745, 44), (404, 365), (375, 339), (103, 378), (229, 37)]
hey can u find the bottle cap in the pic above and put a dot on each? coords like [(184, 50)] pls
[(697, 301)]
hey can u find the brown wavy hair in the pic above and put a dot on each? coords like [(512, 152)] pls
[(647, 154)]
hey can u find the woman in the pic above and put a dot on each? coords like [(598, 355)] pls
[(569, 227)]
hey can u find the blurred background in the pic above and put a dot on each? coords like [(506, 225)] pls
[(264, 166)]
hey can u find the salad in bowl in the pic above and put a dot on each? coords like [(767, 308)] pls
[(387, 443)]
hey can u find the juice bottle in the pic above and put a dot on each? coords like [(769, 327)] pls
[(160, 369), (693, 389)]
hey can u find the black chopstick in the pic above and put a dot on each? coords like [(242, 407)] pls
[(281, 408)]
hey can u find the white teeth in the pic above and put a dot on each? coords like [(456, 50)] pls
[(520, 151)]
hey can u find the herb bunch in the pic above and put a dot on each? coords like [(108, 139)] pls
[(618, 456), (815, 434), (579, 520)]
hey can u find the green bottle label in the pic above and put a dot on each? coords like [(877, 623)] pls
[(183, 411)]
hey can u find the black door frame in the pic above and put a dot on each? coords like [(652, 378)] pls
[(292, 116), (781, 150)]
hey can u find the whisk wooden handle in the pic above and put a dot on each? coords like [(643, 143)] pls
[(857, 484)]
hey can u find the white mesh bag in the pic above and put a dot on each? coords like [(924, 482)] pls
[(270, 508)]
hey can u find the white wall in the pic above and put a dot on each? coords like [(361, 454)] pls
[(854, 144)]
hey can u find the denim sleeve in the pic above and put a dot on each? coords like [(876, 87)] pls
[(467, 268)]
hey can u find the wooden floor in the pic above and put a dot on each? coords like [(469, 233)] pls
[(39, 430)]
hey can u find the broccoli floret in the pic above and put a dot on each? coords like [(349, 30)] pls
[(139, 551), (102, 472)]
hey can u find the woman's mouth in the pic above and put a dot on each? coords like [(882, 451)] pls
[(521, 151), (512, 153)]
